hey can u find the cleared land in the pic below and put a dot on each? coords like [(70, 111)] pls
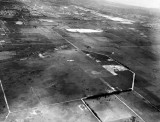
[(51, 74)]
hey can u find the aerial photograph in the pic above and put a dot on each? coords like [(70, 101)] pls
[(79, 60)]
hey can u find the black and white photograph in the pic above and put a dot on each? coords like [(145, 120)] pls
[(79, 60)]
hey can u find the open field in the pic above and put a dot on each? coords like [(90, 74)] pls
[(69, 62)]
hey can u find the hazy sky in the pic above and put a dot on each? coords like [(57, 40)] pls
[(142, 3)]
